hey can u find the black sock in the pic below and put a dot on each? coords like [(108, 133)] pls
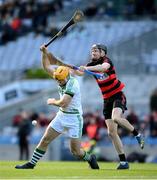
[(122, 157), (135, 133)]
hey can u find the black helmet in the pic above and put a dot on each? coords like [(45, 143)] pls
[(100, 46)]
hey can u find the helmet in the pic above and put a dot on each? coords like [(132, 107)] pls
[(100, 46), (61, 73)]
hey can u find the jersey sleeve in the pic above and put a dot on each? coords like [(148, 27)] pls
[(107, 60), (71, 88)]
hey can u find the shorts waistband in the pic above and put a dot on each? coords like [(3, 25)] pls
[(66, 112)]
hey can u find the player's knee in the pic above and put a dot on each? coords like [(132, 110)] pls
[(111, 133), (75, 152), (115, 119)]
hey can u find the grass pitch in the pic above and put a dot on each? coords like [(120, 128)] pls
[(76, 170)]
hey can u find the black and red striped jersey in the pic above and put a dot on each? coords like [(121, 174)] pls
[(110, 84)]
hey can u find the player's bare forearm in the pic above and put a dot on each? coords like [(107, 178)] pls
[(57, 61), (55, 102), (78, 72), (52, 101), (99, 68), (63, 102), (54, 60), (46, 60), (45, 57), (46, 64)]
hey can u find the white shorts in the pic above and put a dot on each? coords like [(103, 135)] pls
[(72, 124)]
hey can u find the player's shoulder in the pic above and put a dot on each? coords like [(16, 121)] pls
[(72, 78), (72, 81), (107, 60)]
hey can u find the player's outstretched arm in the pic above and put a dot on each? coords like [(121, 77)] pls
[(46, 61), (63, 102), (99, 68), (77, 72), (54, 60)]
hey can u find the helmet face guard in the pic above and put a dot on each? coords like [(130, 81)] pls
[(61, 73), (100, 46)]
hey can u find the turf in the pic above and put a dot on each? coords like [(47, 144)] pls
[(77, 170)]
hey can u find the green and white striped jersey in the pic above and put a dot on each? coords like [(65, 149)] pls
[(72, 88)]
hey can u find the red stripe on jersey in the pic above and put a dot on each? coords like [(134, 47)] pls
[(113, 69), (105, 96), (111, 85), (105, 88)]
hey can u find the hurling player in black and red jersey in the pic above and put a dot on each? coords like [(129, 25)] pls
[(114, 99)]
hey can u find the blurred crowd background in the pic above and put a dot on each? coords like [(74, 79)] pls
[(127, 27), (21, 17)]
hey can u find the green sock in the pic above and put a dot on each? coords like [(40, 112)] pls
[(86, 156), (37, 155)]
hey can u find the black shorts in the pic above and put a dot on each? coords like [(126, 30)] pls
[(117, 100)]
